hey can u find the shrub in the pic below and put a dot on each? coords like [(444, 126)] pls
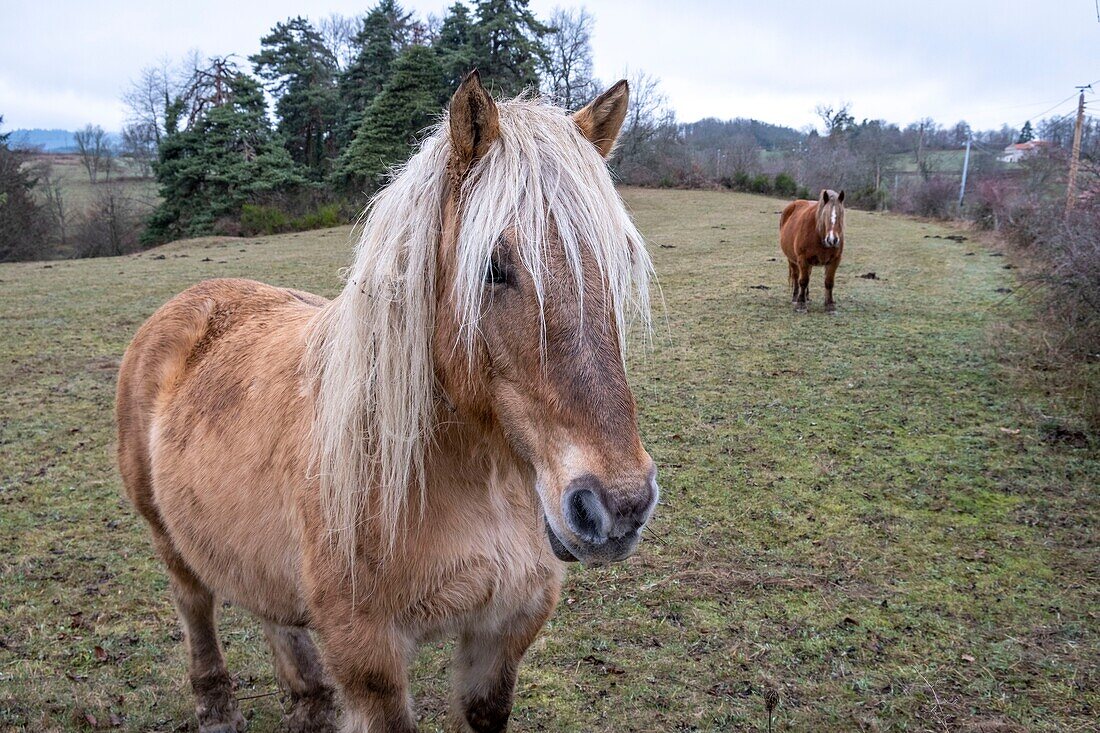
[(761, 184), (934, 198), (260, 219), (323, 218), (785, 185)]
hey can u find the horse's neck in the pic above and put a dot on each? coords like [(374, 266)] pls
[(466, 457)]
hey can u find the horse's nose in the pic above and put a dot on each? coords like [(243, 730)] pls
[(597, 513)]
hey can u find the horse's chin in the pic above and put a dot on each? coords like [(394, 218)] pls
[(560, 550)]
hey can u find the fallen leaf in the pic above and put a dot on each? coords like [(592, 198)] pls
[(100, 653)]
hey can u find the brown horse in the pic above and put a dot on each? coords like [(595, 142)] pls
[(414, 457), (812, 233)]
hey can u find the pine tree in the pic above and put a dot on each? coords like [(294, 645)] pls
[(410, 101), (218, 154), (301, 76), (22, 222), (454, 45), (507, 45), (380, 39), (1027, 134)]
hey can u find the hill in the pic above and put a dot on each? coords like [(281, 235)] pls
[(50, 141)]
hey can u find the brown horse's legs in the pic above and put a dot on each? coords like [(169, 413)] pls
[(486, 663), (369, 663), (804, 270), (792, 280), (300, 674), (214, 702), (830, 273)]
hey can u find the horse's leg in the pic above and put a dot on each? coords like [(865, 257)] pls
[(301, 677), (486, 663), (804, 269), (792, 280), (215, 705), (830, 273), (369, 661)]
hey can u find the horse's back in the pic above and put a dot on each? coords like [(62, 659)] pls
[(791, 223), (213, 423)]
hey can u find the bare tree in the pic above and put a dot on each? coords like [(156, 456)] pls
[(53, 196), (110, 226), (95, 151), (338, 34), (139, 146), (742, 155), (568, 65), (649, 144), (148, 98)]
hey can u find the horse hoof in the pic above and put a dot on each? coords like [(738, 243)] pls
[(830, 308)]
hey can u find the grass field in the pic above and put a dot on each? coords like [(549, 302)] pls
[(78, 191), (858, 512)]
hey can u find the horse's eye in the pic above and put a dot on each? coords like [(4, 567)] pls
[(496, 273)]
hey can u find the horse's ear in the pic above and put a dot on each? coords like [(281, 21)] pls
[(601, 118), (475, 123), (840, 198), (824, 195)]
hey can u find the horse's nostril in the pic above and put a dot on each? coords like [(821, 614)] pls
[(586, 515)]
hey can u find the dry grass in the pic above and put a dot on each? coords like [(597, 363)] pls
[(859, 513)]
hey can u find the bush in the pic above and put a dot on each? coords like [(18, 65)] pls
[(325, 217), (761, 184), (785, 185), (933, 198), (260, 219)]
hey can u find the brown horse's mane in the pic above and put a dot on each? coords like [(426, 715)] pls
[(369, 357)]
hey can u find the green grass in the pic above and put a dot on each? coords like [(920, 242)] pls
[(857, 509)]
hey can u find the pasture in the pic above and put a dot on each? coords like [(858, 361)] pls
[(79, 192), (858, 510)]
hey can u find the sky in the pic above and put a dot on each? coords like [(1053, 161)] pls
[(66, 63)]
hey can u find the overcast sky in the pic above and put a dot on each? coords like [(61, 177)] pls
[(65, 63)]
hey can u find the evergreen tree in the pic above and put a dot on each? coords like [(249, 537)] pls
[(301, 75), (218, 154), (22, 223), (454, 45), (380, 39), (507, 45), (1027, 134), (409, 102)]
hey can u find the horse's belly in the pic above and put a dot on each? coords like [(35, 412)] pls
[(234, 526)]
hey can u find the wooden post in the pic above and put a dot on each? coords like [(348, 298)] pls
[(1075, 156)]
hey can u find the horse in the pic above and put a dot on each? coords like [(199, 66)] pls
[(812, 233), (419, 456)]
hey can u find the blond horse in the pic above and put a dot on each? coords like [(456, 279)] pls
[(408, 459)]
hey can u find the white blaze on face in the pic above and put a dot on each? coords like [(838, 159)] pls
[(831, 238)]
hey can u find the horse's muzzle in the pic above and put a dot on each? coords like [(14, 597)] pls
[(602, 525)]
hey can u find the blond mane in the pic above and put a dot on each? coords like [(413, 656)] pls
[(370, 350)]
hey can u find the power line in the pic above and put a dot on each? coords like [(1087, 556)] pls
[(1072, 96)]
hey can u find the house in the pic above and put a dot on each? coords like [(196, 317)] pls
[(1019, 151)]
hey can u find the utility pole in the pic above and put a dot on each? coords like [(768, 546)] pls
[(966, 167), (1075, 156)]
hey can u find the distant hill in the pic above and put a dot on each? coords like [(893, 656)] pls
[(50, 141)]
